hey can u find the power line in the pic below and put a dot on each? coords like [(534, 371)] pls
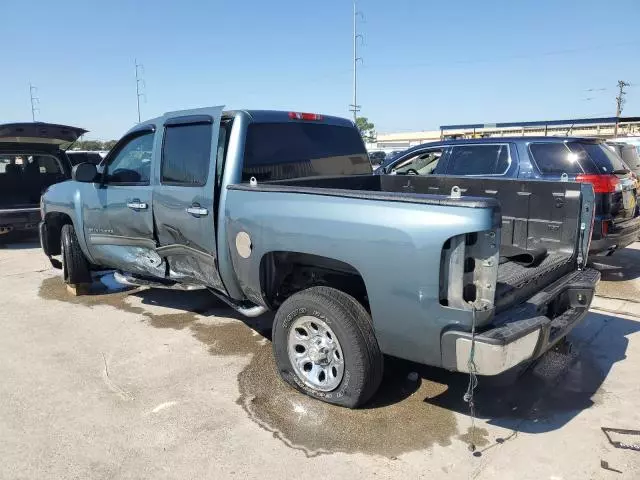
[(140, 85), (620, 101), (501, 59), (355, 108), (35, 101)]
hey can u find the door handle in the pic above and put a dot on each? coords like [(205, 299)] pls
[(137, 205), (197, 210)]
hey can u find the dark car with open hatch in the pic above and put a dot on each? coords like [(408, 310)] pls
[(31, 160)]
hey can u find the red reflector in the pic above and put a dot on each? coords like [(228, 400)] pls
[(601, 183), (304, 116), (605, 228)]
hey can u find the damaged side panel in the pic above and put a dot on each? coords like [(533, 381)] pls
[(138, 260)]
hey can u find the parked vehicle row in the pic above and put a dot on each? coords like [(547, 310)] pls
[(616, 222), (279, 211)]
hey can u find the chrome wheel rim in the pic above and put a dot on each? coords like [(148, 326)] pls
[(315, 353)]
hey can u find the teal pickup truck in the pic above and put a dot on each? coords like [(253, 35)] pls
[(279, 211)]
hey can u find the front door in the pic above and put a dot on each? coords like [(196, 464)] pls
[(183, 199), (118, 216)]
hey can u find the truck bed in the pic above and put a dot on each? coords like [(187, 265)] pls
[(535, 214)]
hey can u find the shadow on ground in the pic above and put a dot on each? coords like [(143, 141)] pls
[(620, 275), (623, 265), (19, 241), (555, 389)]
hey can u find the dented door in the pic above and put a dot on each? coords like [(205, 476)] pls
[(183, 197)]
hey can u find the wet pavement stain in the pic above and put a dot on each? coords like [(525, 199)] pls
[(477, 438), (416, 406), (397, 420), (227, 338)]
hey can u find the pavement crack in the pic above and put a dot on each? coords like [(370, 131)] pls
[(115, 388)]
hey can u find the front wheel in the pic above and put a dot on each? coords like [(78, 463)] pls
[(75, 267), (324, 346)]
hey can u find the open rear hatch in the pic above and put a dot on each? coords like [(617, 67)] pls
[(24, 134), (30, 161)]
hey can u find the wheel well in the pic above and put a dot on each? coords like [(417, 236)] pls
[(284, 273), (55, 221)]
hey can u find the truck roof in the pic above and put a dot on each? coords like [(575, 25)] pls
[(262, 116), (518, 139)]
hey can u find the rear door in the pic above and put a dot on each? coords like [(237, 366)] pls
[(481, 159), (183, 200)]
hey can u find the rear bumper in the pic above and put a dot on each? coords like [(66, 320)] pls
[(14, 219), (619, 236), (524, 332)]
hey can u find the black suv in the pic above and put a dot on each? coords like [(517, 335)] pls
[(617, 223)]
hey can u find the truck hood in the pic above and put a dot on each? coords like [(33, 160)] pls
[(37, 134)]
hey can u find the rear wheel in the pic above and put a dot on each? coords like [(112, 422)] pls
[(75, 267), (324, 346)]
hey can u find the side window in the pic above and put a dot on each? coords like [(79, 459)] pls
[(423, 163), (186, 153), (555, 158), (132, 162), (479, 160)]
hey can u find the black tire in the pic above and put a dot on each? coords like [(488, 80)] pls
[(351, 323), (75, 268)]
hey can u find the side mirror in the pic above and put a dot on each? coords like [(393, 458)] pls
[(85, 172)]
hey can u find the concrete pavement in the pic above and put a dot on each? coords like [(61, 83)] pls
[(160, 384)]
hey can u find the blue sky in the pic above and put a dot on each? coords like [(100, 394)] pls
[(426, 63)]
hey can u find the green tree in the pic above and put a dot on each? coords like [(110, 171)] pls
[(367, 129), (109, 144), (93, 145), (87, 145)]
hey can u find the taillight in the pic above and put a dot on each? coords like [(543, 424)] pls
[(304, 116), (601, 183)]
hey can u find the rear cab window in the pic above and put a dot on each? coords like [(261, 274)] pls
[(286, 150), (493, 159)]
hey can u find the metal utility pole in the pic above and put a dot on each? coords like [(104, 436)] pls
[(139, 83), (35, 101), (355, 108), (620, 102)]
